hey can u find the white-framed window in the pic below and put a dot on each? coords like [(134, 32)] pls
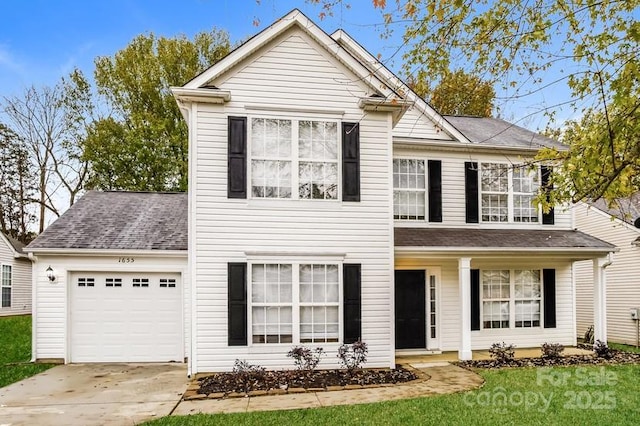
[(167, 282), (507, 193), (528, 298), (113, 282), (511, 298), (86, 282), (272, 303), (295, 302), (6, 278), (141, 282), (409, 189), (496, 295), (319, 303), (294, 159)]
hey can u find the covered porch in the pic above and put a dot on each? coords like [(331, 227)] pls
[(460, 290)]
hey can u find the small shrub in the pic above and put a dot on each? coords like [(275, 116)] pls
[(305, 358), (353, 356), (502, 352), (246, 374), (588, 335), (552, 350), (602, 350)]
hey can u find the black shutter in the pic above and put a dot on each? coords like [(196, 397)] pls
[(475, 299), (351, 275), (237, 304), (237, 157), (435, 190), (549, 294), (545, 172), (471, 191), (350, 162)]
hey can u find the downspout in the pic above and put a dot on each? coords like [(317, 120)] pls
[(34, 306)]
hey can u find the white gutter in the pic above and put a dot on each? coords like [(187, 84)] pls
[(106, 252), (210, 96)]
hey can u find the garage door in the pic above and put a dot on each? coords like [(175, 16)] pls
[(132, 317)]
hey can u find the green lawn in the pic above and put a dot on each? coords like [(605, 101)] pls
[(15, 350), (591, 395)]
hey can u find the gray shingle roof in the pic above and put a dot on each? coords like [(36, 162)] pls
[(497, 239), (17, 245), (625, 209), (120, 220), (497, 132)]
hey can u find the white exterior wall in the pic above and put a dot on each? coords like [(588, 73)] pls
[(449, 304), (415, 124), (51, 299), (453, 190), (623, 275), (301, 81), (20, 281)]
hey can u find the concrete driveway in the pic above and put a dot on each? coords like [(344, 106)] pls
[(94, 394)]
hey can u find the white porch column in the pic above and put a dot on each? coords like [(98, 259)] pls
[(464, 271), (600, 298)]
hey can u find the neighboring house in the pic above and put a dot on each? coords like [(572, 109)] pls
[(327, 202), (615, 225), (15, 278)]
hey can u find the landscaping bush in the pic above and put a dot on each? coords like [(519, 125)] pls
[(353, 356), (305, 358), (502, 352), (602, 350), (552, 350)]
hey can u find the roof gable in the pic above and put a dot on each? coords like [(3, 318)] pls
[(297, 19), (13, 245)]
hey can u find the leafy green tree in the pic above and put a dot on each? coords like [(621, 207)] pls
[(458, 93), (591, 46), (143, 144)]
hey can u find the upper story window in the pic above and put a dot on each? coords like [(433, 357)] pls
[(294, 159), (507, 193), (409, 189)]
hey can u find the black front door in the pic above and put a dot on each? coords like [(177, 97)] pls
[(410, 310)]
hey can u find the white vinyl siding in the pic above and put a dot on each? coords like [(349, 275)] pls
[(623, 275), (453, 190), (301, 81), (415, 124), (20, 289)]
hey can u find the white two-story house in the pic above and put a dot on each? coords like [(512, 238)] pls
[(327, 203)]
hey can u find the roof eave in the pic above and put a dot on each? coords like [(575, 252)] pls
[(107, 252), (209, 96), (506, 250)]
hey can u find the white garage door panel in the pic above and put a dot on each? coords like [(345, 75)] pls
[(126, 323)]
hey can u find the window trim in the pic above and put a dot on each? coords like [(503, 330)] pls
[(425, 189), (295, 157), (510, 194), (512, 300), (3, 284), (295, 297)]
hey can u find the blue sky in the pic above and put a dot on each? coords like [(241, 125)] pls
[(42, 40)]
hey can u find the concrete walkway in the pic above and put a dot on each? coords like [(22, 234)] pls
[(94, 394), (442, 378)]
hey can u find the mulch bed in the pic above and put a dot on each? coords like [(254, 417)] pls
[(617, 357), (286, 380)]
